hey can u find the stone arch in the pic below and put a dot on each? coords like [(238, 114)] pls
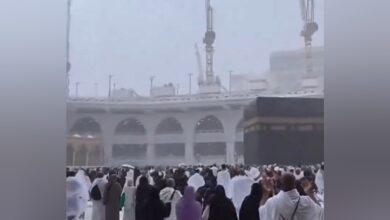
[(169, 125), (209, 124), (85, 126), (130, 126)]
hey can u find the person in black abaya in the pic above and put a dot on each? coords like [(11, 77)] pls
[(155, 208), (250, 206), (210, 179), (141, 197), (221, 208)]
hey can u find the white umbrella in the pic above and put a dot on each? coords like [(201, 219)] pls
[(128, 166)]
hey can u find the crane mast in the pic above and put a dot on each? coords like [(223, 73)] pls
[(208, 40), (309, 28)]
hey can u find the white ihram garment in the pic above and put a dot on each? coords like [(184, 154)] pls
[(223, 179), (129, 206), (239, 188), (214, 170), (165, 196), (196, 181), (76, 201), (85, 182), (282, 206), (319, 181)]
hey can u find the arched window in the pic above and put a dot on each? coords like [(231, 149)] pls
[(209, 124), (169, 126), (130, 127), (85, 126)]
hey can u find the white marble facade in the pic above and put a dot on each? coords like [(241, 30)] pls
[(187, 131)]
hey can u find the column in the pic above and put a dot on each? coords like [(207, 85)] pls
[(150, 154), (73, 157), (230, 134), (87, 157), (107, 150), (230, 149), (150, 127), (150, 149), (189, 142), (189, 151), (108, 128)]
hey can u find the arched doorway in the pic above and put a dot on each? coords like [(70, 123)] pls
[(130, 126), (209, 150), (169, 126), (85, 135)]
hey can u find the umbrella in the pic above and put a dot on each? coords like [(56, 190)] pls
[(128, 166)]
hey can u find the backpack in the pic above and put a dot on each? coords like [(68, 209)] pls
[(95, 193), (168, 205)]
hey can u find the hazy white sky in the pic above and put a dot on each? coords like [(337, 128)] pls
[(135, 39)]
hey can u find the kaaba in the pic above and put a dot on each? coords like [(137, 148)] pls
[(284, 130)]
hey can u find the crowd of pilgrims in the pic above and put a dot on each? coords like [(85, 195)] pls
[(223, 192)]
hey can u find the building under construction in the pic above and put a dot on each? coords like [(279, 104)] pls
[(207, 127)]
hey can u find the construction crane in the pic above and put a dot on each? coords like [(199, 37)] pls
[(68, 65), (309, 28), (200, 67), (208, 40)]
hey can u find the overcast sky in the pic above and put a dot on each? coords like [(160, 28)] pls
[(135, 39)]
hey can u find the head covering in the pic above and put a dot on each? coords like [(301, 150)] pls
[(75, 195), (130, 174), (143, 189), (256, 191), (319, 181), (85, 182), (154, 195), (220, 193), (250, 206), (187, 173), (196, 181), (188, 208), (253, 173), (240, 187), (223, 179), (215, 170), (221, 207)]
